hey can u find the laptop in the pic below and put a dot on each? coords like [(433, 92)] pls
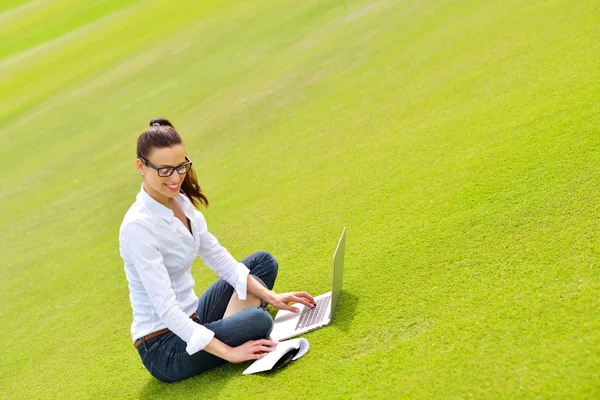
[(288, 324)]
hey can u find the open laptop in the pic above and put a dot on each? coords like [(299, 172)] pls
[(288, 324)]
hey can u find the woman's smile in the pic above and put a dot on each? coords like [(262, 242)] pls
[(174, 188)]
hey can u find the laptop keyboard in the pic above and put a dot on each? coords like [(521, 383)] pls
[(310, 316)]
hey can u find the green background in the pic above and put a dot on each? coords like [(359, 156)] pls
[(458, 142)]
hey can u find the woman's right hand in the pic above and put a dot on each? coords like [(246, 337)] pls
[(251, 350)]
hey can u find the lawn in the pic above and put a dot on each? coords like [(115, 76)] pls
[(458, 142)]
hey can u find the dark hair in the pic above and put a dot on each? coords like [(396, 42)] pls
[(162, 134)]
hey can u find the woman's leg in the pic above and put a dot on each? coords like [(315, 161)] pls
[(261, 264), (213, 303)]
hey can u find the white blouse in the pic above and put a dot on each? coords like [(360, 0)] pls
[(158, 252)]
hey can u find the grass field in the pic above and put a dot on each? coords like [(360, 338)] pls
[(459, 142)]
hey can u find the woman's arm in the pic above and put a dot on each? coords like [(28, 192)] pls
[(279, 301), (251, 350)]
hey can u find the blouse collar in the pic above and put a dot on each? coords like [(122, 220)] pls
[(157, 208)]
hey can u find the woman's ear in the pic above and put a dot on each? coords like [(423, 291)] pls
[(140, 166)]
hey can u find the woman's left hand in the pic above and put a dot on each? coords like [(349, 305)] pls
[(281, 301)]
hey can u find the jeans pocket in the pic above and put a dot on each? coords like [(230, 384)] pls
[(146, 348), (152, 344)]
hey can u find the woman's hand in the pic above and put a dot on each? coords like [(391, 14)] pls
[(281, 301), (251, 350)]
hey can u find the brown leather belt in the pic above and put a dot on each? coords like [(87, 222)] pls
[(155, 334)]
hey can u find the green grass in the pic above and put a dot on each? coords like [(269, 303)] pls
[(458, 142)]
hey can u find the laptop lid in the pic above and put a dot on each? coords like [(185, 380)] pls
[(338, 272)]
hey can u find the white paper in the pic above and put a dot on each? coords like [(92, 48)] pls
[(268, 361)]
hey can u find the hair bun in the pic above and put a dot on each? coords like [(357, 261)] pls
[(161, 122)]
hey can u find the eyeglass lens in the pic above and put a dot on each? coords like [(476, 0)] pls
[(165, 172)]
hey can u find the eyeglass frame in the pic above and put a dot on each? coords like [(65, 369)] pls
[(188, 164)]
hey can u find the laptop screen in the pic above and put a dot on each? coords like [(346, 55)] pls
[(338, 272)]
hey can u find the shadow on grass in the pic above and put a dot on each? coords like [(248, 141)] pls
[(206, 385), (345, 312)]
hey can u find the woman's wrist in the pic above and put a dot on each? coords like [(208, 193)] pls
[(260, 290), (269, 297), (219, 349)]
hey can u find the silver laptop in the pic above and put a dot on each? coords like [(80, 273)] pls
[(288, 324)]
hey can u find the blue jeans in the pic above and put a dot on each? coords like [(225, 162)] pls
[(165, 356)]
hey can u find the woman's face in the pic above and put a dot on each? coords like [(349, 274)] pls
[(163, 188)]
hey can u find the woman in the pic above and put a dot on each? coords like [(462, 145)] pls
[(177, 334)]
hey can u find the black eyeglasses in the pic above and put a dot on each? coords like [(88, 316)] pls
[(165, 172)]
